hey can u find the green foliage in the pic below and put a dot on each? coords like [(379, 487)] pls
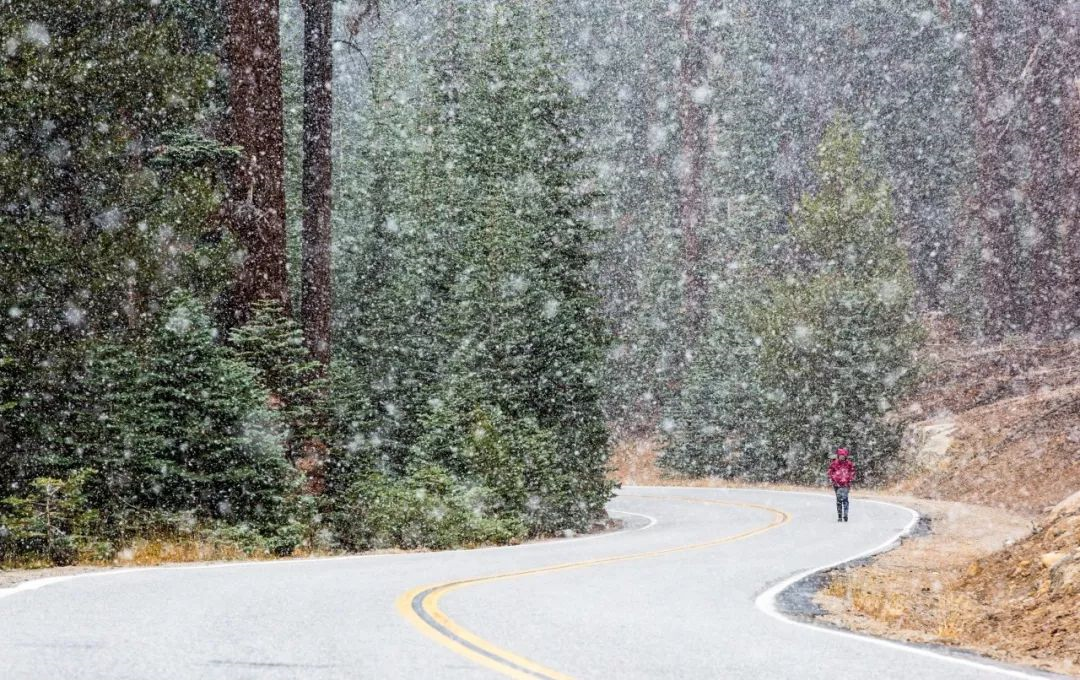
[(187, 149), (395, 271), (176, 424), (272, 343), (803, 362), (105, 432), (53, 519), (353, 436), (210, 441), (426, 509), (93, 236), (85, 102), (475, 284), (529, 340), (513, 456)]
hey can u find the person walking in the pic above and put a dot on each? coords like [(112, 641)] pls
[(841, 474)]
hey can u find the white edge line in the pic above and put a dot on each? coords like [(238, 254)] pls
[(37, 583), (651, 523), (766, 602)]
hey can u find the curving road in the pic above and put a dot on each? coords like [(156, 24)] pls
[(685, 591)]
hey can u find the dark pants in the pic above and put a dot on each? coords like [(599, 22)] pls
[(841, 501)]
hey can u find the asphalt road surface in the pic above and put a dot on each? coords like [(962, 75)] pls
[(686, 590)]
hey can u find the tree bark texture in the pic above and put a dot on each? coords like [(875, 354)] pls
[(1068, 298), (1000, 246), (1044, 128), (255, 210), (315, 291), (691, 165)]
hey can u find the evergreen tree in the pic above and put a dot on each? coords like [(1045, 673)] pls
[(106, 434), (211, 442), (54, 520), (178, 424), (272, 343), (474, 285), (352, 428), (528, 339), (94, 230), (804, 361), (387, 325)]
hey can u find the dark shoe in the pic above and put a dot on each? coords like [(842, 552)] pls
[(839, 519), (845, 519)]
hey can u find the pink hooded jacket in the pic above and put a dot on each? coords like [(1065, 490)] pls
[(842, 470)]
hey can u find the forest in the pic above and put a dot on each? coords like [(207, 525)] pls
[(311, 276)]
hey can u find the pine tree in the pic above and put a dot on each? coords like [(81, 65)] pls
[(387, 319), (212, 445), (54, 520), (803, 361), (272, 343), (95, 231), (106, 435), (528, 339)]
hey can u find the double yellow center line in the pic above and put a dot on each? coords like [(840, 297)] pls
[(420, 606)]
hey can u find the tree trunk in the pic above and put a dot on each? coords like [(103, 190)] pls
[(255, 211), (691, 166), (1044, 129), (315, 291), (994, 210), (1068, 289)]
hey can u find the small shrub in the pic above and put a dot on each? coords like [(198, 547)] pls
[(427, 509), (52, 522), (272, 344), (515, 457)]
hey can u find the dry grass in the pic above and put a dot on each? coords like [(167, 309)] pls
[(866, 598), (633, 462), (151, 552), (157, 551), (957, 616)]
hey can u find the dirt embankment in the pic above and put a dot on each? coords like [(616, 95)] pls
[(1030, 592), (958, 585), (1000, 426)]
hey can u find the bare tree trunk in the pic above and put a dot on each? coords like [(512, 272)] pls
[(691, 166), (1044, 129), (994, 212), (315, 291), (255, 211), (1068, 299)]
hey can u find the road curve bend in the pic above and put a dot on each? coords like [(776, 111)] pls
[(687, 590)]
